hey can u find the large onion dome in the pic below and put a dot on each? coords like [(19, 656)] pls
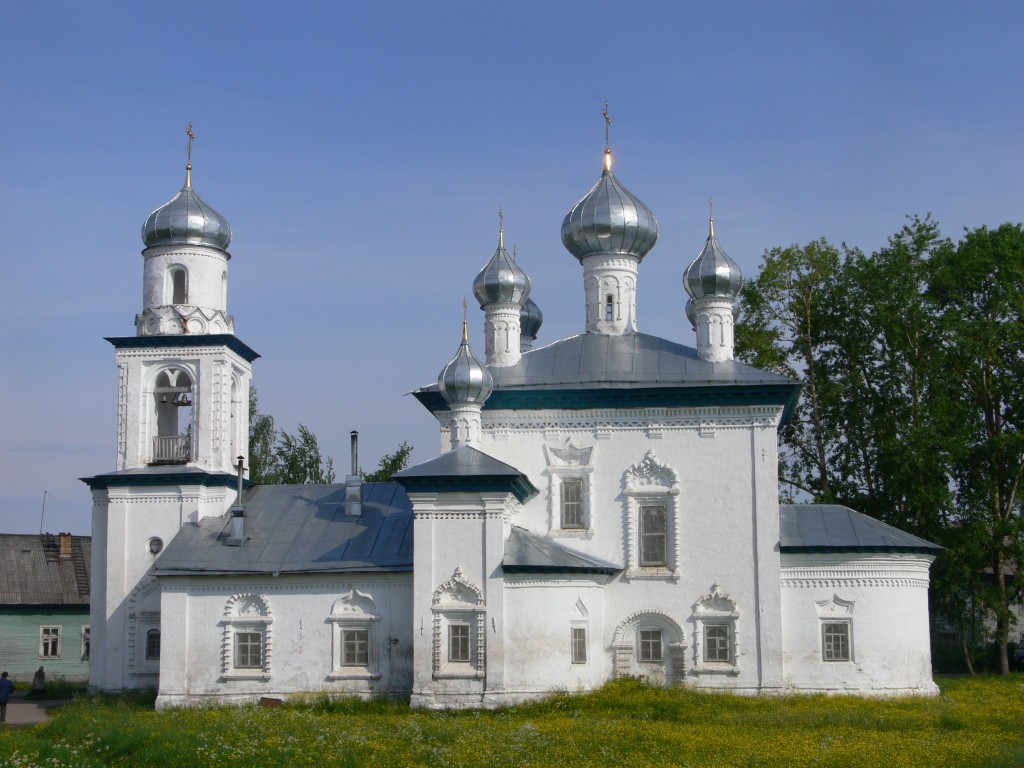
[(609, 219), (465, 379), (501, 281), (530, 319), (713, 273), (186, 220)]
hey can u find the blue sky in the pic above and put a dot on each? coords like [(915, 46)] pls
[(361, 152)]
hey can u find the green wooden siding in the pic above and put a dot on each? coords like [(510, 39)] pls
[(19, 641)]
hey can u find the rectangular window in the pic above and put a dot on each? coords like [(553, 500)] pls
[(716, 642), (458, 642), (650, 645), (49, 642), (153, 644), (653, 535), (248, 650), (85, 643), (572, 503), (355, 647), (835, 641), (579, 645)]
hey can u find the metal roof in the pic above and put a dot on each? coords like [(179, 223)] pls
[(609, 219), (467, 468), (300, 529), (526, 552), (33, 572), (635, 369), (168, 474), (186, 220), (835, 528), (179, 340)]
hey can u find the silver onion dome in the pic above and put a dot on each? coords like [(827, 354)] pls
[(530, 319), (465, 379), (609, 219), (186, 220), (713, 273), (501, 281)]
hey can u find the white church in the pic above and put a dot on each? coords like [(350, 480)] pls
[(603, 505)]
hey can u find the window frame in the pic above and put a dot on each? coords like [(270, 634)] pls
[(355, 651), (652, 483), (149, 651), (717, 637), (246, 613), (645, 536), (832, 655), (50, 646), (645, 646), (577, 505), (244, 641), (578, 644), (465, 632)]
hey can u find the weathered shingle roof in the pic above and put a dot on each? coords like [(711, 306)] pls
[(835, 528), (32, 571), (300, 529)]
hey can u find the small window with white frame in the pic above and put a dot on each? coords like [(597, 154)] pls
[(835, 641), (458, 643), (835, 616), (152, 644), (49, 642), (578, 637), (572, 503), (354, 618), (247, 643), (650, 646), (716, 643), (716, 624), (653, 535)]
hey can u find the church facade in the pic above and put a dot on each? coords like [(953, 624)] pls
[(604, 505)]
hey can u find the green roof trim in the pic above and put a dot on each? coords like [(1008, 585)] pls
[(176, 341)]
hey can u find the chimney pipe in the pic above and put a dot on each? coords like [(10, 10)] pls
[(354, 483), (236, 533), (64, 543)]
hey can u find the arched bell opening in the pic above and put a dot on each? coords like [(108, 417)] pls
[(173, 397)]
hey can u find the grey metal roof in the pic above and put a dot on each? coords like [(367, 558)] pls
[(501, 281), (835, 528), (609, 219), (181, 474), (186, 220), (637, 362), (467, 468), (300, 529), (527, 552), (32, 571)]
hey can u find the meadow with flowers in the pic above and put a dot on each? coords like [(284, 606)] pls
[(974, 722)]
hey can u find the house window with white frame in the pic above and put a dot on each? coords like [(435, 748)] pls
[(458, 643), (653, 535), (49, 642), (835, 641), (572, 503), (650, 646), (248, 650), (578, 637)]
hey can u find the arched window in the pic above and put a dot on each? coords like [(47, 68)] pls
[(172, 394), (178, 279), (153, 644), (609, 307), (224, 291)]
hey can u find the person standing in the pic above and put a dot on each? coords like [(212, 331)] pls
[(39, 682), (6, 689)]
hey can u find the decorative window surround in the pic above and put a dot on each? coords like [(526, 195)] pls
[(570, 462), (459, 602), (354, 611), (579, 633), (651, 483), (835, 616), (143, 616), (246, 613), (715, 609), (626, 646)]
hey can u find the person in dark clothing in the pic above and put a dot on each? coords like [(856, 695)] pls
[(6, 689)]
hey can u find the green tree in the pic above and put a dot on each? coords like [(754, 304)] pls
[(389, 464), (978, 286), (277, 458)]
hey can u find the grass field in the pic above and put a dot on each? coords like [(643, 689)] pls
[(975, 722)]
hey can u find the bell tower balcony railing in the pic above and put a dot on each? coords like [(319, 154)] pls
[(175, 449)]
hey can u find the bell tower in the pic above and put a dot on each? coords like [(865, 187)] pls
[(182, 421)]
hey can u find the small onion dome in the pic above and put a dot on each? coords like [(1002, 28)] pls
[(186, 220), (465, 379), (691, 314), (501, 281), (530, 319), (609, 219), (713, 273)]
